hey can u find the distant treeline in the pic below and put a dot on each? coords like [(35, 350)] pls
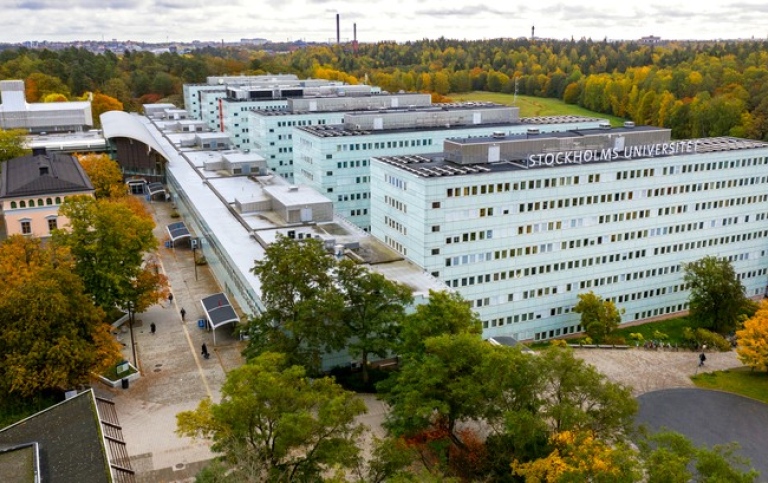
[(696, 89)]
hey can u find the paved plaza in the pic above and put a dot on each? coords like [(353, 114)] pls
[(175, 377)]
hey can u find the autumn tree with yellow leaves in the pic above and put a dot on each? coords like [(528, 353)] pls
[(753, 340), (53, 335), (105, 175)]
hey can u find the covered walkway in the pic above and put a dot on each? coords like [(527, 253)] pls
[(218, 312)]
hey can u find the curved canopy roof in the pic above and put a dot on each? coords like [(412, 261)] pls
[(218, 310), (119, 124)]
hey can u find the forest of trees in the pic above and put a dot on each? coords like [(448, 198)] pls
[(696, 89)]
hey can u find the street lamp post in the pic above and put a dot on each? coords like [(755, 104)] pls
[(194, 256), (133, 341)]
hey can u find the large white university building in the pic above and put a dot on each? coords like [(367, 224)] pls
[(520, 225)]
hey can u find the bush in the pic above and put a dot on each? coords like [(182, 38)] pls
[(636, 336), (558, 343), (702, 337), (615, 340), (658, 335)]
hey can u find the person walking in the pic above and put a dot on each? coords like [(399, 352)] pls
[(152, 328), (204, 351), (702, 358), (183, 314), (170, 299)]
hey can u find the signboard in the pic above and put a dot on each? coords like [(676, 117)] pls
[(122, 367), (612, 154)]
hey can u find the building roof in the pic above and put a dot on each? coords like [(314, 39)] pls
[(43, 174), (71, 445), (436, 165)]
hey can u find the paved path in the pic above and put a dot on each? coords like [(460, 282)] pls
[(175, 377)]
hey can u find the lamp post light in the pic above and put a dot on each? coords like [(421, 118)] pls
[(194, 255)]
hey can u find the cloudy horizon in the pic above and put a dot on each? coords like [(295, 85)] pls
[(399, 20)]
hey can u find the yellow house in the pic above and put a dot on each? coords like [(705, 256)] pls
[(33, 187)]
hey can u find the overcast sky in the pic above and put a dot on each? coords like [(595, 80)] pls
[(400, 20)]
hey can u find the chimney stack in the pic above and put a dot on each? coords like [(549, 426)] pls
[(533, 27), (338, 32)]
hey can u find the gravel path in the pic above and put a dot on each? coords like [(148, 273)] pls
[(650, 370)]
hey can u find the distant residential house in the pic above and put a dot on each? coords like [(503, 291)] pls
[(33, 187)]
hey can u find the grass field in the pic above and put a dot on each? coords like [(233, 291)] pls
[(741, 381), (672, 327), (534, 106)]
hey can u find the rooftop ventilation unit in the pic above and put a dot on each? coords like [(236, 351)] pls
[(604, 125), (498, 134), (533, 131), (629, 124)]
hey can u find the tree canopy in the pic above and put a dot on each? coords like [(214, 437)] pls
[(753, 340), (598, 317), (275, 424), (717, 299), (53, 336), (12, 144), (108, 241), (105, 175), (316, 303)]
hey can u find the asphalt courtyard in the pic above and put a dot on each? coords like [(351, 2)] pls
[(710, 418)]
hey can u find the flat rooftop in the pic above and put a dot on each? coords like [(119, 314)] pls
[(341, 130), (213, 195), (435, 165)]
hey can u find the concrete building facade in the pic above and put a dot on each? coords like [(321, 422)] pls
[(521, 225), (40, 117), (334, 159)]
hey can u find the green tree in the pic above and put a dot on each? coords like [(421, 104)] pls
[(275, 424), (444, 313), (670, 457), (375, 306), (598, 317), (717, 299), (303, 304), (12, 144), (53, 336), (108, 240)]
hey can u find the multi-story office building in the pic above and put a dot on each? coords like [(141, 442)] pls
[(193, 102), (270, 132), (521, 225), (239, 101), (334, 159)]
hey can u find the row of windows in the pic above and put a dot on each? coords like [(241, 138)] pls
[(711, 205), (470, 236), (359, 212), (352, 164), (396, 204), (477, 189), (634, 173), (396, 182), (556, 332), (403, 143), (396, 245), (40, 202), (307, 122), (725, 240), (661, 311), (26, 225), (696, 167), (353, 196)]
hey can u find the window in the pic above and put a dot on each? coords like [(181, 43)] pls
[(26, 227), (435, 228), (52, 224), (435, 204)]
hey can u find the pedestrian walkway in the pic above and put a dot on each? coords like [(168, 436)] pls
[(175, 376)]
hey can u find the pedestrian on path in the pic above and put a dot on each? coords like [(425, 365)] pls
[(170, 299), (702, 358), (183, 313), (204, 351), (152, 328)]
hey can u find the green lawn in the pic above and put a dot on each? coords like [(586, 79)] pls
[(534, 106), (672, 327), (742, 381)]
